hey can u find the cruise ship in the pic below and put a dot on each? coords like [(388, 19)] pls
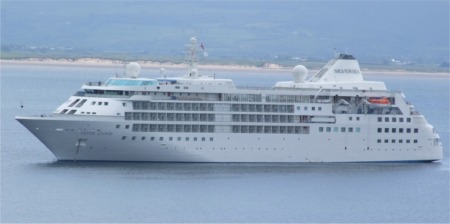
[(332, 116)]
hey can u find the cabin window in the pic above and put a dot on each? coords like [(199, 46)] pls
[(118, 126), (342, 129), (124, 137), (161, 138), (415, 141), (380, 119), (386, 119), (133, 138), (142, 138), (416, 130), (358, 129), (394, 130), (386, 141), (350, 129), (408, 119), (320, 129), (127, 126), (400, 119), (328, 129), (408, 141), (106, 103), (394, 119), (408, 130), (380, 130), (379, 141), (400, 130), (386, 130)]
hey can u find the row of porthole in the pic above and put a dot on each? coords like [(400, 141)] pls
[(399, 141), (152, 138)]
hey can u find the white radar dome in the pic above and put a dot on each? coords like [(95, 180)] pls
[(133, 69), (299, 72)]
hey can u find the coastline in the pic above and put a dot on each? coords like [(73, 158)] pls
[(268, 67)]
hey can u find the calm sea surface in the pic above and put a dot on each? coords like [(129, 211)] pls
[(36, 188)]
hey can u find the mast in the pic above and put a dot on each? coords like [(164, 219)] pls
[(192, 58)]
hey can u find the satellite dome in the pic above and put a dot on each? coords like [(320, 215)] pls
[(132, 70), (299, 72)]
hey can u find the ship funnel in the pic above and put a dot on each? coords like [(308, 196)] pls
[(132, 70), (299, 72)]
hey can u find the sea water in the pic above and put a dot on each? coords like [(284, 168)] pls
[(37, 188)]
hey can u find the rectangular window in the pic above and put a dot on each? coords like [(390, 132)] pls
[(118, 126), (124, 137), (100, 103), (203, 139), (386, 130), (358, 129), (152, 138), (127, 126), (211, 139), (336, 129), (161, 138), (195, 139), (393, 140), (106, 103), (380, 130), (380, 119), (350, 129), (386, 141), (320, 129), (378, 140), (400, 119), (357, 118), (415, 141), (400, 130), (170, 138), (342, 129), (187, 139), (386, 119), (142, 138), (305, 108), (416, 130), (313, 108), (133, 138), (408, 141), (408, 119), (350, 118), (394, 130), (400, 141), (408, 130), (320, 108), (394, 119), (179, 139), (328, 129)]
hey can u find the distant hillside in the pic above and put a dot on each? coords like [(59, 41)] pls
[(376, 32)]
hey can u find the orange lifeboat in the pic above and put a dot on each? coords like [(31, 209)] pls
[(379, 100)]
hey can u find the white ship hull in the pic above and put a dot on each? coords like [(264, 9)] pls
[(335, 116), (87, 140)]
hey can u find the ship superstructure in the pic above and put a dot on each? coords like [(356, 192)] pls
[(334, 116)]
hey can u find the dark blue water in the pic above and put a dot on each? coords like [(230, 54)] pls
[(36, 188)]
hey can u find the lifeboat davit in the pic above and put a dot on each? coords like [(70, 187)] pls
[(379, 100)]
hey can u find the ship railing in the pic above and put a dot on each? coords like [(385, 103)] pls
[(99, 83)]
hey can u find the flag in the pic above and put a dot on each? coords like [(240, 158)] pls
[(201, 45)]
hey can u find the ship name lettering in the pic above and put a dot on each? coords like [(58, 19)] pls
[(346, 71)]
